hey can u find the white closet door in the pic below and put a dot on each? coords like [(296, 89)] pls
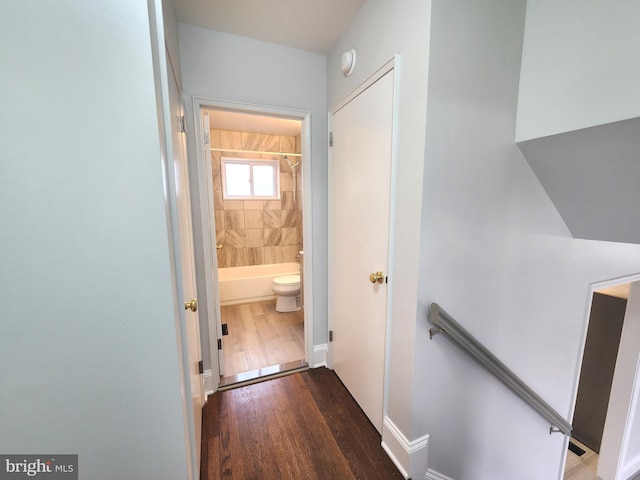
[(360, 197)]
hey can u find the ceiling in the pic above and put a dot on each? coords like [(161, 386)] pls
[(245, 122), (312, 25)]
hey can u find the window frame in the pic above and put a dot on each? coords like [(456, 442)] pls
[(275, 163)]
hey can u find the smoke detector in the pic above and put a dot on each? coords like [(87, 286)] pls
[(348, 62)]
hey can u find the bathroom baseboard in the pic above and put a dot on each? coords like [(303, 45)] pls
[(320, 353), (208, 382)]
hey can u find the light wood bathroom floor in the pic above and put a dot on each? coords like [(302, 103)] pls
[(260, 337)]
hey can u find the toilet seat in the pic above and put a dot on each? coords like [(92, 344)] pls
[(287, 280)]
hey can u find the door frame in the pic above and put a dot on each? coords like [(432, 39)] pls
[(391, 65), (576, 379), (161, 58), (207, 218)]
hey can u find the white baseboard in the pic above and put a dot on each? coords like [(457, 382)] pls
[(433, 475), (208, 383), (320, 353), (411, 458), (395, 460)]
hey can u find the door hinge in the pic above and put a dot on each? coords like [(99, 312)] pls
[(330, 335), (200, 367), (331, 139), (183, 124), (219, 344), (225, 329)]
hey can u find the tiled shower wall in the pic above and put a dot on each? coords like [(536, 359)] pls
[(257, 232)]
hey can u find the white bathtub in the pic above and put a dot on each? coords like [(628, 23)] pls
[(251, 284)]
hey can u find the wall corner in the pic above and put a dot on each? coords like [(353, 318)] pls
[(411, 457)]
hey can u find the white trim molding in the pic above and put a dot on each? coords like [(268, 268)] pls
[(209, 387), (320, 353), (433, 475), (630, 461), (619, 452), (411, 458)]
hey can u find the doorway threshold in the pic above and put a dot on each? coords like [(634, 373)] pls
[(262, 374)]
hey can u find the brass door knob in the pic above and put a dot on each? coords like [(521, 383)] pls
[(191, 305), (376, 277)]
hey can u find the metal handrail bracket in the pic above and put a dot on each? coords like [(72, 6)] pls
[(452, 329)]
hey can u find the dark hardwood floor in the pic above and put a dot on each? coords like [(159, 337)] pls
[(302, 426)]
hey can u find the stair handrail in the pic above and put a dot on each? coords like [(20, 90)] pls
[(447, 325)]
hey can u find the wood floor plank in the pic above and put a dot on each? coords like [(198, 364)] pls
[(288, 428), (280, 429), (326, 459), (231, 464), (356, 436)]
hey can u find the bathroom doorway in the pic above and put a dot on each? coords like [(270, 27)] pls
[(257, 218)]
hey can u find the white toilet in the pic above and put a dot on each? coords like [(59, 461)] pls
[(287, 289)]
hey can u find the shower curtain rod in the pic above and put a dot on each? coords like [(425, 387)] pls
[(257, 152)]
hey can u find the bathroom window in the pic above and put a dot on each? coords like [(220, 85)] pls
[(250, 179)]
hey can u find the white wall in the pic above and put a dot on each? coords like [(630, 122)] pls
[(228, 67), (88, 352), (579, 66), (495, 255), (381, 30)]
